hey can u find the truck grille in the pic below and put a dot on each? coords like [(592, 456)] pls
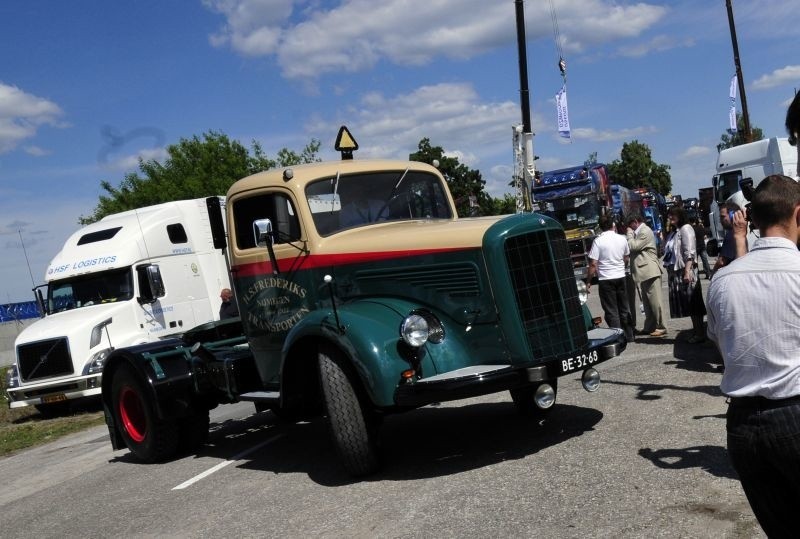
[(44, 359), (544, 287)]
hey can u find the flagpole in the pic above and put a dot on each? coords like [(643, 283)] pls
[(748, 135)]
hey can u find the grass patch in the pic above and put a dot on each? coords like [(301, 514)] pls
[(21, 428)]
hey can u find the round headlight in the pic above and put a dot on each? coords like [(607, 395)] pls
[(583, 292), (590, 380), (435, 326), (414, 330)]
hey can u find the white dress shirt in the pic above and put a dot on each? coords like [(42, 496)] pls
[(754, 317), (610, 250)]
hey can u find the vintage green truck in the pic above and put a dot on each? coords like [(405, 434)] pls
[(361, 294)]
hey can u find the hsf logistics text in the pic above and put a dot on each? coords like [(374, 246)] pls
[(82, 264)]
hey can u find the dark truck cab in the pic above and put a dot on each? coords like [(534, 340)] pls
[(362, 293)]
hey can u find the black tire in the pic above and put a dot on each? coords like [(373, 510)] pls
[(523, 400), (353, 429), (194, 430), (147, 437)]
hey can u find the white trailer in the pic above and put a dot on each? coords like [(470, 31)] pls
[(756, 161), (131, 278)]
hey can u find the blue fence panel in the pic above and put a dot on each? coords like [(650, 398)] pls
[(19, 311)]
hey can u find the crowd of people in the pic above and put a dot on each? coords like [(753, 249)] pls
[(752, 318)]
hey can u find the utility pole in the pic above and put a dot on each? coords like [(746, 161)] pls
[(748, 134), (526, 134)]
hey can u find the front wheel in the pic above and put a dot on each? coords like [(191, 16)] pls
[(147, 437), (523, 398), (353, 429)]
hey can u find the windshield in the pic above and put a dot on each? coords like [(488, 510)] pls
[(572, 212), (347, 201), (728, 184), (92, 289)]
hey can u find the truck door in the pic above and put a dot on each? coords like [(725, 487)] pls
[(274, 294)]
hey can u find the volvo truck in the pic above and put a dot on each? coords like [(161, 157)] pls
[(131, 278)]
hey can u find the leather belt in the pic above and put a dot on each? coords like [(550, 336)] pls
[(763, 403)]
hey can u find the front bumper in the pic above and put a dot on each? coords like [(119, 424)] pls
[(53, 391), (604, 344)]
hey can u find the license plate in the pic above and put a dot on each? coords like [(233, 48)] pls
[(59, 397), (578, 362)]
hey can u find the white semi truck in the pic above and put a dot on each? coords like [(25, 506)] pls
[(754, 161), (131, 278)]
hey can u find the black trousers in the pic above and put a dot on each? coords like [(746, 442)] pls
[(614, 300), (764, 447)]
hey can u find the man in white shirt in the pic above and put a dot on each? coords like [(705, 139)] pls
[(753, 317), (608, 259)]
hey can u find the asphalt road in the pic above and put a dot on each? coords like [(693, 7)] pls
[(643, 457)]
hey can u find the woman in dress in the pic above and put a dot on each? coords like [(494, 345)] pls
[(685, 292)]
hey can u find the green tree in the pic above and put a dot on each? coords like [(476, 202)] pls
[(505, 205), (462, 181), (729, 140), (636, 168), (194, 168)]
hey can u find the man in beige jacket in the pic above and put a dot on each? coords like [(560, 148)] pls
[(646, 273)]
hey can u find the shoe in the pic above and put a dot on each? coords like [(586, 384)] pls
[(642, 332), (696, 339), (659, 333)]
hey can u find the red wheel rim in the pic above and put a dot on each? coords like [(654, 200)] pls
[(131, 412)]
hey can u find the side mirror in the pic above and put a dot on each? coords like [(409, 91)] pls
[(262, 232), (712, 248), (151, 285)]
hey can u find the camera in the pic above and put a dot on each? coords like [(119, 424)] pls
[(746, 185)]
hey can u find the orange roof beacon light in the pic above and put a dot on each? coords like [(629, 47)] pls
[(345, 143)]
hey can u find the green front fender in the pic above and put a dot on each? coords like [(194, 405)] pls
[(368, 334)]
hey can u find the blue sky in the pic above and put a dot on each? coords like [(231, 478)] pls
[(88, 87)]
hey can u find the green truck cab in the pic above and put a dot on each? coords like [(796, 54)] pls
[(361, 293)]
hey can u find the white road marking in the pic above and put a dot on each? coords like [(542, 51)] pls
[(221, 465)]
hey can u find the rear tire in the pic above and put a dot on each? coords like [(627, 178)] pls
[(353, 429), (525, 403), (147, 437)]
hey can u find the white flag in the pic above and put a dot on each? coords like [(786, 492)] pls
[(733, 88), (732, 117), (562, 112)]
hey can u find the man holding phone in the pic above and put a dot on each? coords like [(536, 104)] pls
[(729, 252)]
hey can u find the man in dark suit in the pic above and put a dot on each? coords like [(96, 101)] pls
[(228, 309), (646, 273)]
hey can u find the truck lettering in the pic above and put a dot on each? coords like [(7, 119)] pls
[(276, 326)]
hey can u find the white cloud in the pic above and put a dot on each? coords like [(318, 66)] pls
[(36, 151), (778, 77), (355, 34), (609, 135), (695, 151), (451, 115), (656, 44), (131, 162), (21, 115)]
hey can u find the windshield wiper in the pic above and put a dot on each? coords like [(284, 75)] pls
[(335, 188)]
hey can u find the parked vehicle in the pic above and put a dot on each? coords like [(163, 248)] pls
[(754, 161), (576, 197), (131, 278), (362, 294)]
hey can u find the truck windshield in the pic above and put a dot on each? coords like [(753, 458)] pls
[(572, 212), (347, 201), (91, 289), (728, 184)]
